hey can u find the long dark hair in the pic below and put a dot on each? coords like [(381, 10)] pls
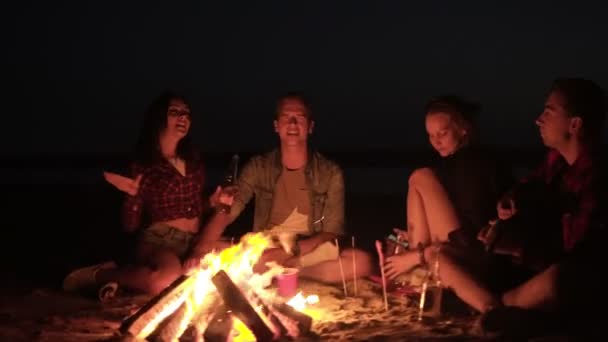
[(147, 150)]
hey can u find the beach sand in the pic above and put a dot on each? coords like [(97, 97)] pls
[(52, 315)]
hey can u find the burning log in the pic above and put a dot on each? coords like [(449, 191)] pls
[(268, 312), (240, 306), (220, 326), (192, 305), (203, 316), (288, 320), (303, 321), (176, 324), (147, 318)]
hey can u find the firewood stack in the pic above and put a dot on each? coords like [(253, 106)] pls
[(213, 321)]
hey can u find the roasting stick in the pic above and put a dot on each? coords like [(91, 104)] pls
[(354, 266), (381, 257), (341, 269)]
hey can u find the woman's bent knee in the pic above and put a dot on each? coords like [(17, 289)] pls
[(160, 278), (420, 175)]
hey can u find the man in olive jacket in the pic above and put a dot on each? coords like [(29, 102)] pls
[(299, 199)]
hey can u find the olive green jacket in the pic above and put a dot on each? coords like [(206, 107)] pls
[(324, 179)]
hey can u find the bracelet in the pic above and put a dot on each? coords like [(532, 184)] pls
[(420, 249)]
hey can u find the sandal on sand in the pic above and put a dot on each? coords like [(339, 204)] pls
[(107, 291), (85, 277)]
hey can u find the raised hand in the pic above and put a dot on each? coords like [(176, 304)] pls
[(122, 183)]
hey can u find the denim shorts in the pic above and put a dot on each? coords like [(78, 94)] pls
[(165, 236)]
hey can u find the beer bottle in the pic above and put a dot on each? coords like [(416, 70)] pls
[(229, 185)]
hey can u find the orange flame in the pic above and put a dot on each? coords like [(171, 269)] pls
[(201, 295)]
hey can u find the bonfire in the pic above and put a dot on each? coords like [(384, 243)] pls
[(224, 300)]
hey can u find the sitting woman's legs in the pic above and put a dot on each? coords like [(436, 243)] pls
[(156, 268), (464, 284), (430, 218), (430, 213), (540, 292), (329, 271)]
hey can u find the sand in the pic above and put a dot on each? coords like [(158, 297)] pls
[(51, 315), (364, 318)]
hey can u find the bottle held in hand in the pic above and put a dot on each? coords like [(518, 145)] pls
[(432, 290), (229, 186), (395, 244)]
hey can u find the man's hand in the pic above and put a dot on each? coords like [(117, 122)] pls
[(273, 254), (122, 183), (223, 195), (487, 235), (289, 242)]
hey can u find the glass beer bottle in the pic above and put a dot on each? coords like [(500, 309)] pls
[(432, 290), (229, 185)]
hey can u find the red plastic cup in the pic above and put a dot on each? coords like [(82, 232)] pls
[(287, 282)]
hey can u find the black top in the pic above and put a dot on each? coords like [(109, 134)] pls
[(474, 180)]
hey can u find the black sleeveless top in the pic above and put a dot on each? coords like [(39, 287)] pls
[(474, 180)]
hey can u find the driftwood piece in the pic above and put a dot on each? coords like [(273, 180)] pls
[(145, 320), (240, 306)]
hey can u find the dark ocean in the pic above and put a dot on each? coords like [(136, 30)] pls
[(60, 214)]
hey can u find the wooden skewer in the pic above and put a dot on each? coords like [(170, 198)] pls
[(341, 269), (381, 257), (354, 266)]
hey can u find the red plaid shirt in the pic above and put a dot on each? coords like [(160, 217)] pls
[(164, 194), (579, 185)]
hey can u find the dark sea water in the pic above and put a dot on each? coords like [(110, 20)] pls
[(59, 214)]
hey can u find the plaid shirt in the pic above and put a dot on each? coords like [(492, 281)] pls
[(164, 194), (580, 189)]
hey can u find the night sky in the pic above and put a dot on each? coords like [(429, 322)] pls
[(79, 74)]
